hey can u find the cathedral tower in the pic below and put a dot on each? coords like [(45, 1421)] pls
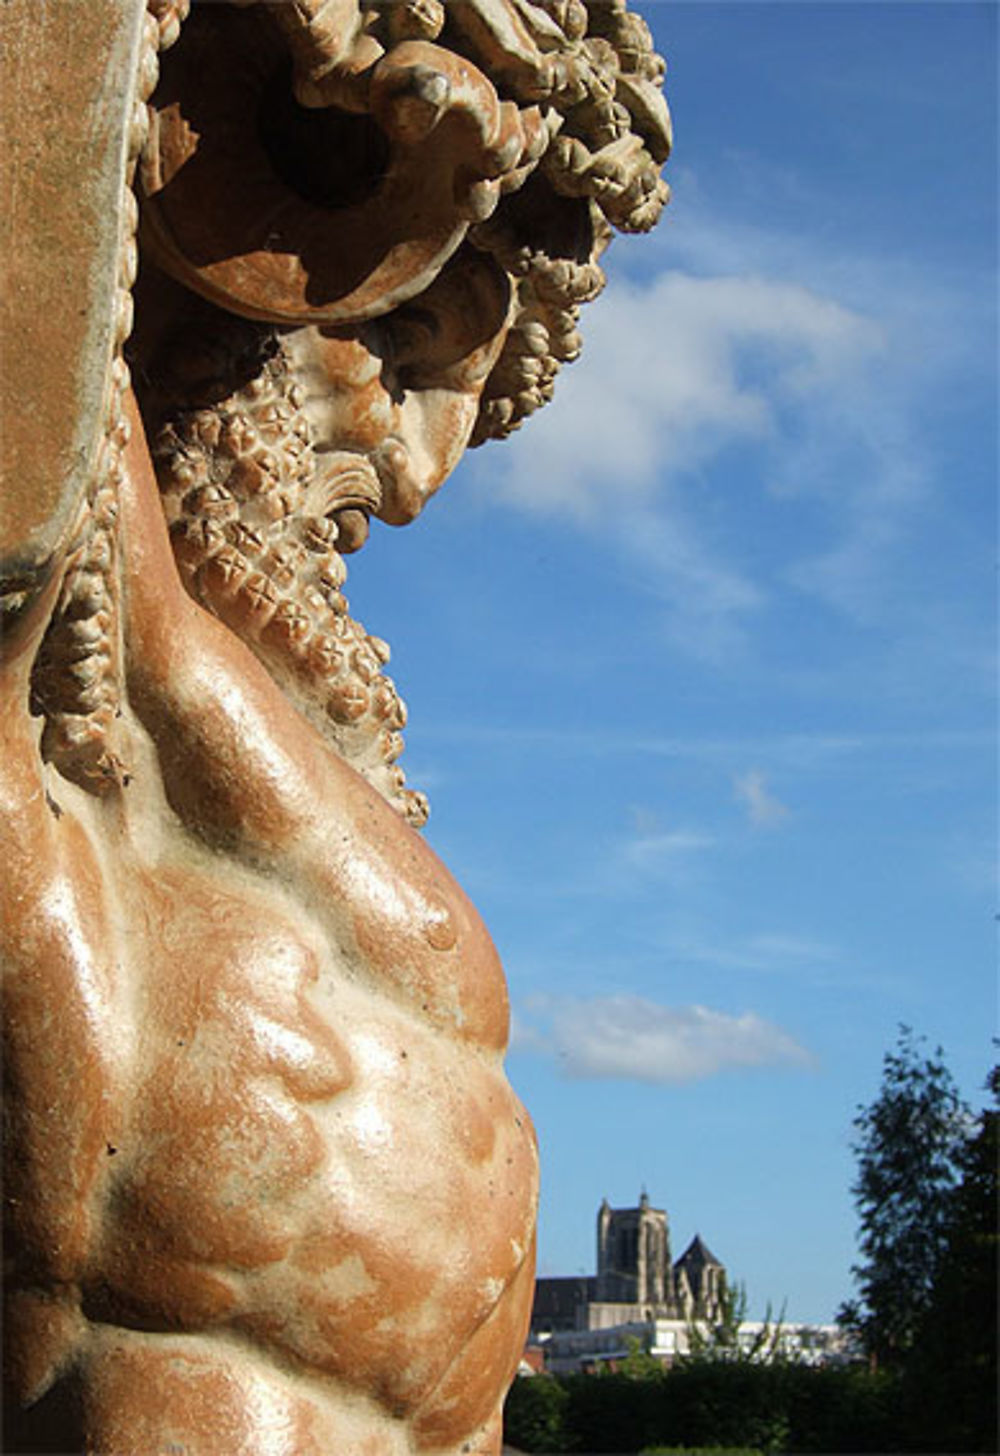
[(633, 1255)]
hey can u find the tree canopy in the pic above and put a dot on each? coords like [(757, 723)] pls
[(909, 1146), (952, 1372)]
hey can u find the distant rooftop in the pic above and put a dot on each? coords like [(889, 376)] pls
[(698, 1252)]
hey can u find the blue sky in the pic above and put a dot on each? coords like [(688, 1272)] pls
[(700, 665)]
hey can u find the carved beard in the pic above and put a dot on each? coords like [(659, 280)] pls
[(254, 527)]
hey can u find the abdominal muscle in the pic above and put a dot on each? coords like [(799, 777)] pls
[(314, 1199), (308, 1163)]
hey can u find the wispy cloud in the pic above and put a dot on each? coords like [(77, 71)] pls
[(707, 598), (766, 951), (646, 847), (782, 954), (810, 374), (765, 809), (801, 751), (635, 1039), (650, 844), (679, 373)]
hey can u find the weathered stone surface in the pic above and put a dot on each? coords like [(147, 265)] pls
[(66, 114), (266, 1188)]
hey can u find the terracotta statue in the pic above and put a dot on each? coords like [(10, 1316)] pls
[(266, 1188)]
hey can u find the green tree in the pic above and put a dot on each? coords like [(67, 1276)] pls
[(719, 1339), (909, 1146), (535, 1413), (639, 1364), (951, 1376)]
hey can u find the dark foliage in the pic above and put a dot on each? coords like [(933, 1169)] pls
[(951, 1375), (534, 1415), (909, 1147), (769, 1408)]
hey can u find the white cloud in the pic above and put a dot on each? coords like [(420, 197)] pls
[(675, 372), (632, 1038), (809, 372), (765, 809)]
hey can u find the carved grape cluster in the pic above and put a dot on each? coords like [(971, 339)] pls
[(611, 136), (544, 335), (77, 673)]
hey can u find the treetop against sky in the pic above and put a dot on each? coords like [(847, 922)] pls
[(700, 664)]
